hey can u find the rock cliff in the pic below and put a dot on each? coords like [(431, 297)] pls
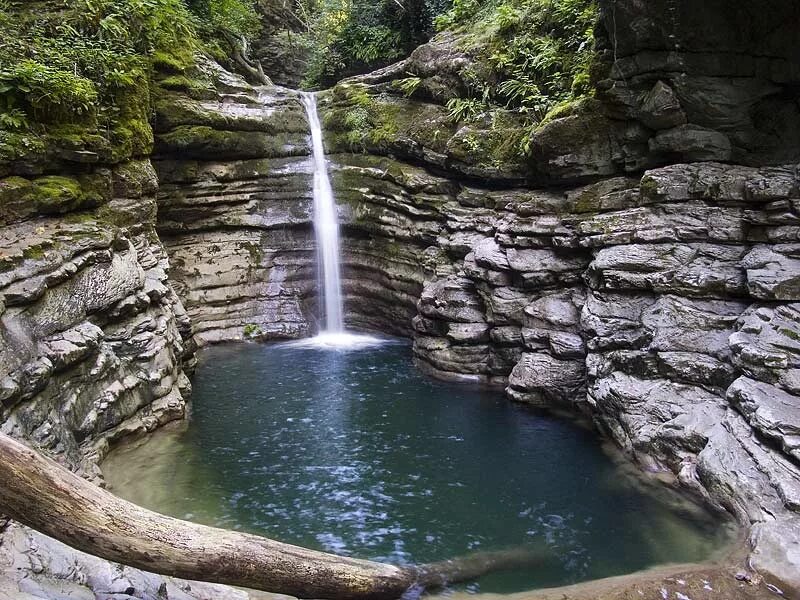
[(640, 265), (621, 270)]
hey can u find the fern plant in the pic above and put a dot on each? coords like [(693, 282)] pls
[(408, 85), (465, 110)]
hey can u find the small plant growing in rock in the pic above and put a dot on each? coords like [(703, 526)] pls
[(408, 85), (251, 330)]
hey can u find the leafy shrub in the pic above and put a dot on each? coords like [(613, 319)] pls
[(529, 57), (46, 90), (91, 61), (460, 12), (218, 18), (351, 36), (408, 85), (465, 109)]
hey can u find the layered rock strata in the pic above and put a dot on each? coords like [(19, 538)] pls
[(94, 345), (235, 211), (620, 270), (665, 307)]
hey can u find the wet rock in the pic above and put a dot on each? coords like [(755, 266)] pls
[(452, 299), (770, 410), (766, 345), (661, 108), (543, 380), (692, 143), (774, 272)]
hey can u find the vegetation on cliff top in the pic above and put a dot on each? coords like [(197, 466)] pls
[(79, 72), (500, 68), (356, 36), (530, 55)]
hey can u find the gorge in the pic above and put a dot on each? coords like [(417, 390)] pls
[(640, 267)]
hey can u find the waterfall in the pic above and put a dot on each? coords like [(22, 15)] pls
[(326, 226), (326, 230)]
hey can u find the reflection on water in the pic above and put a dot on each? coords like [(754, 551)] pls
[(358, 453)]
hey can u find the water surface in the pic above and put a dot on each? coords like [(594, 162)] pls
[(360, 454)]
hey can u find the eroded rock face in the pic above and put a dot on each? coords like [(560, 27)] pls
[(646, 303), (96, 343), (235, 211), (661, 313), (663, 304)]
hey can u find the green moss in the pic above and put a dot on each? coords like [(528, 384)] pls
[(586, 202), (191, 85), (21, 146), (563, 109), (33, 252), (57, 187), (173, 61), (648, 187), (53, 193), (80, 218), (208, 143), (251, 330)]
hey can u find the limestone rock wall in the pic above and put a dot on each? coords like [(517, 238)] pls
[(666, 308), (94, 345), (235, 210), (95, 342)]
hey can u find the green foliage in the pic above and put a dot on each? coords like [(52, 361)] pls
[(351, 36), (460, 12), (540, 51), (408, 85), (530, 56), (132, 26), (87, 64), (47, 91), (465, 109), (251, 330), (366, 121), (13, 119), (219, 18), (90, 63)]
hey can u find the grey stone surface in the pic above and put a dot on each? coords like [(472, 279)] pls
[(663, 306)]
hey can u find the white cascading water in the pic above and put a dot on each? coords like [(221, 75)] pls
[(326, 228)]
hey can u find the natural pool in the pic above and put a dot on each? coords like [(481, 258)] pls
[(358, 453)]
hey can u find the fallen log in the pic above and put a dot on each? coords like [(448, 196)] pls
[(40, 493)]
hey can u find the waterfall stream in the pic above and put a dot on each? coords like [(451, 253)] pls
[(326, 230), (326, 226)]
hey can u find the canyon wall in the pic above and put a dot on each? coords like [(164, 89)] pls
[(640, 265), (95, 344)]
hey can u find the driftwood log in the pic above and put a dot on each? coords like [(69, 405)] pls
[(43, 495)]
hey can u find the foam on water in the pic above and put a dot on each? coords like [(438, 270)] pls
[(341, 341)]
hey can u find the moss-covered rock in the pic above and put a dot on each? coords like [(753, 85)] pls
[(203, 142), (21, 198)]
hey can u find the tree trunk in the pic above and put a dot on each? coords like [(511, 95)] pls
[(240, 51), (45, 496)]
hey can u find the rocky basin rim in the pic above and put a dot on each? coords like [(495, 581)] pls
[(647, 280)]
